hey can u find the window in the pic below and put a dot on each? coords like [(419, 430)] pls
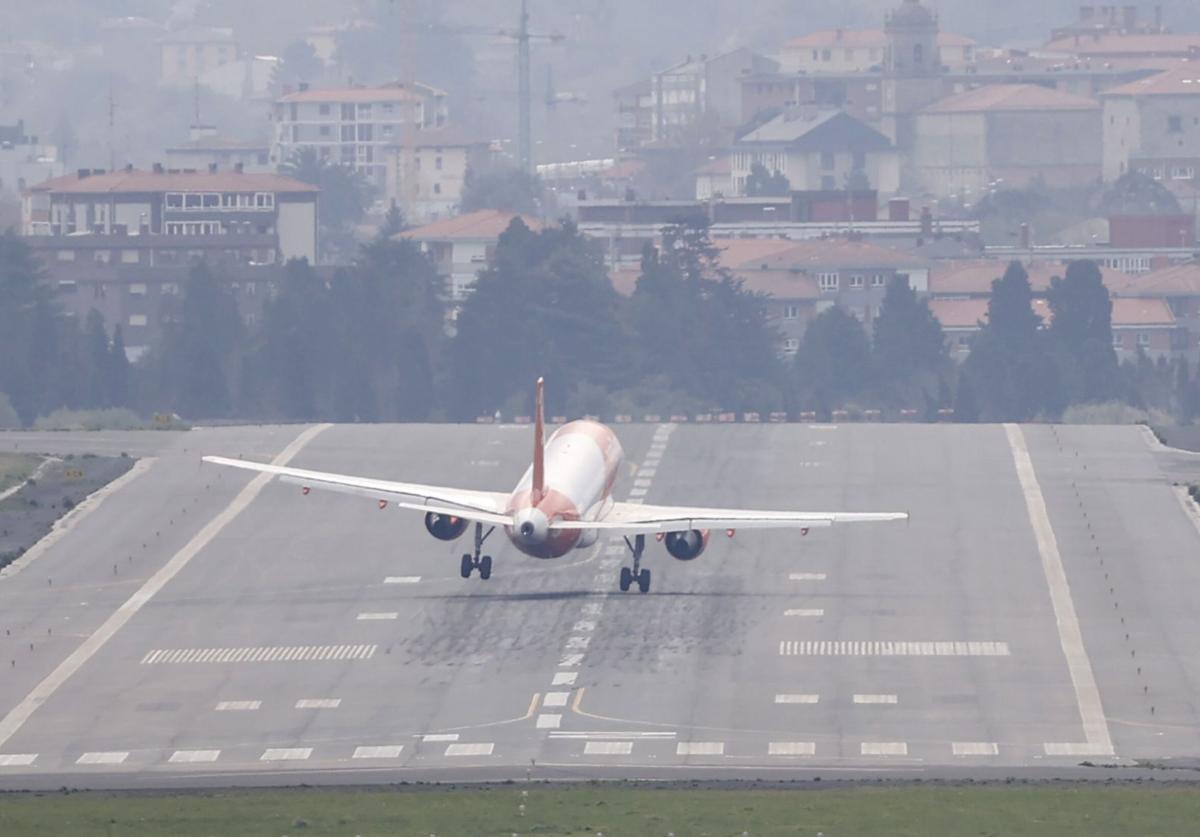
[(826, 55), (878, 280), (828, 281), (102, 256), (1183, 172), (169, 288), (827, 160), (791, 312), (137, 319), (193, 201), (347, 113), (437, 163), (856, 280), (137, 289), (66, 255), (212, 200), (918, 55), (324, 110), (347, 133), (1143, 339), (437, 188), (264, 200), (791, 346), (364, 133), (364, 110), (174, 200), (860, 160), (828, 184), (67, 286), (292, 112), (1118, 340), (388, 107), (130, 256), (325, 131), (1174, 124)]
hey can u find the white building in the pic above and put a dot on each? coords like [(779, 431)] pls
[(206, 149), (354, 126), (858, 50), (426, 176), (188, 54), (461, 247), (1153, 126)]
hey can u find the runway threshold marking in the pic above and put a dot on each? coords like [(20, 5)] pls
[(17, 759), (608, 748), (791, 748), (286, 754), (262, 654), (239, 706), (103, 758), (385, 752), (478, 749), (975, 748), (319, 703), (16, 718), (884, 748), (883, 648), (793, 698), (889, 699), (194, 756), (1070, 636)]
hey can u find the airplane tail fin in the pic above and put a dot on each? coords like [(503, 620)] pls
[(539, 443)]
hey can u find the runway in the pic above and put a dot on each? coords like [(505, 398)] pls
[(201, 628)]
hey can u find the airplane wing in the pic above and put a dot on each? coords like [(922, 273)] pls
[(484, 506), (631, 517)]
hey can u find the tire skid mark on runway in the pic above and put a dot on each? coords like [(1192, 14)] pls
[(16, 718)]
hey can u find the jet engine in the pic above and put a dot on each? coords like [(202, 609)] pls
[(586, 538), (444, 527), (687, 546)]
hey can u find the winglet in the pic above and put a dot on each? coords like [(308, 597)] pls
[(539, 443)]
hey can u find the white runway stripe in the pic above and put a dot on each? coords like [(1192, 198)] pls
[(484, 749), (564, 678), (402, 579), (804, 612), (549, 721), (194, 756), (102, 758), (806, 576), (608, 748), (440, 736), (1077, 750), (238, 705), (377, 617), (17, 759), (319, 703), (876, 648), (612, 734), (555, 699), (884, 748), (390, 752), (270, 654), (286, 754), (791, 748), (700, 748), (876, 699), (793, 698), (975, 748)]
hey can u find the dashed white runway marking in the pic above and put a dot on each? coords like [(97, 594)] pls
[(700, 748), (17, 759), (1077, 750), (564, 678), (319, 703), (267, 654), (868, 648), (804, 612), (440, 736), (549, 721), (286, 754), (648, 473), (611, 735), (583, 626), (387, 752), (556, 698), (570, 661), (402, 579), (194, 756), (577, 643), (876, 699), (637, 492), (102, 758), (791, 748), (484, 749), (806, 576), (377, 617), (793, 698), (975, 748), (884, 748), (238, 705), (608, 748)]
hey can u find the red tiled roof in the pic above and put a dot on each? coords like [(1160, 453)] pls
[(968, 314), (486, 225), (389, 93), (974, 278), (148, 182), (1180, 80), (813, 254), (1118, 45), (994, 98), (779, 284), (1177, 280), (860, 38)]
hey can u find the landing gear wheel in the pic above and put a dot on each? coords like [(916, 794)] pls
[(637, 546), (626, 579), (485, 567), (472, 561), (643, 581), (468, 564)]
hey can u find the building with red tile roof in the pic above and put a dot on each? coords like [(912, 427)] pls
[(859, 50), (961, 279), (462, 246), (1153, 126)]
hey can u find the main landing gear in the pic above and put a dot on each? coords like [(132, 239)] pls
[(472, 562), (637, 574)]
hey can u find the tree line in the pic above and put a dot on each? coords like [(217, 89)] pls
[(376, 341)]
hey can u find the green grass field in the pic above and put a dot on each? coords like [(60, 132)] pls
[(15, 468), (619, 811)]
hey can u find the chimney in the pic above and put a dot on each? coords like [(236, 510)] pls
[(1025, 237), (82, 173), (237, 168), (158, 168), (926, 221), (129, 168), (839, 34), (303, 86), (212, 168), (1158, 19)]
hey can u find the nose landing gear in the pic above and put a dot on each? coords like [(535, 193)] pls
[(470, 562), (637, 574)]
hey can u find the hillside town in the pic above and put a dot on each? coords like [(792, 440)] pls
[(814, 176)]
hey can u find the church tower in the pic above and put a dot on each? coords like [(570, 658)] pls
[(912, 72)]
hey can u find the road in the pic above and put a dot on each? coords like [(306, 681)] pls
[(200, 627)]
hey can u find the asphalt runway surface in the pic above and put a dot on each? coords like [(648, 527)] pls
[(194, 626)]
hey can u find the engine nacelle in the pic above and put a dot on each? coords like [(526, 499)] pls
[(687, 546), (445, 527), (586, 538)]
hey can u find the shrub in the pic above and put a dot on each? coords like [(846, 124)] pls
[(9, 420), (1112, 412), (116, 418)]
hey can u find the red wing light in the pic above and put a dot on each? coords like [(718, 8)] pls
[(305, 490), (804, 532), (659, 536), (383, 504), (729, 533), (454, 521)]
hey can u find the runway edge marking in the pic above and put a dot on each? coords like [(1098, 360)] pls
[(16, 718), (1070, 636)]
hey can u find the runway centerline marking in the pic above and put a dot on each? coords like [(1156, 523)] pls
[(700, 748), (17, 759), (238, 705), (286, 754), (881, 648), (1070, 636), (791, 748), (797, 698), (402, 579), (194, 756), (975, 748), (810, 612), (556, 699), (377, 617), (888, 699), (16, 718), (549, 721), (806, 576), (386, 752), (440, 736), (884, 748), (481, 749), (319, 703), (103, 758)]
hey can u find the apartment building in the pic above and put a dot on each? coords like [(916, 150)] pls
[(187, 54), (354, 126)]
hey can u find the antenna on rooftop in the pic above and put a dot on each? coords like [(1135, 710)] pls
[(112, 125)]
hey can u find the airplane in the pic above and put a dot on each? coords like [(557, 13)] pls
[(562, 503)]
